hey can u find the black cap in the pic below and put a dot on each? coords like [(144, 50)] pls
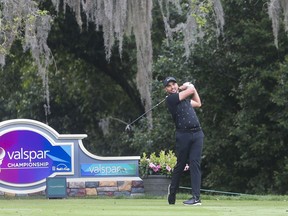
[(168, 79)]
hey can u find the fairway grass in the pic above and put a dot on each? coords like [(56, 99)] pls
[(140, 207)]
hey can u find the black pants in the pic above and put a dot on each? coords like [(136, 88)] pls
[(189, 147)]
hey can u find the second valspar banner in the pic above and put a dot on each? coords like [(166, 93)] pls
[(103, 169)]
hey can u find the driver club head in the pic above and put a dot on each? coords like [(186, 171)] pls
[(128, 128)]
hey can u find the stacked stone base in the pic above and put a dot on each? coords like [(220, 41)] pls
[(105, 187)]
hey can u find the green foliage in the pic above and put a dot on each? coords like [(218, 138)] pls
[(200, 11), (80, 96), (253, 145)]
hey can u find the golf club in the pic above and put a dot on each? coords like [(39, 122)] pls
[(129, 128)]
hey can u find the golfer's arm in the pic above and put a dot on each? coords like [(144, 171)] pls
[(186, 92), (195, 100)]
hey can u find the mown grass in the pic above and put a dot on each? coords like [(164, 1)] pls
[(148, 206)]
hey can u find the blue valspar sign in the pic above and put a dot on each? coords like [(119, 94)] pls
[(31, 152), (109, 169), (28, 157)]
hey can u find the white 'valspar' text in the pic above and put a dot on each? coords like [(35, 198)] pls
[(27, 155), (106, 170)]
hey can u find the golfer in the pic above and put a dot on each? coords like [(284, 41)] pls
[(189, 137)]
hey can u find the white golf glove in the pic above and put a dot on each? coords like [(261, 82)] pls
[(188, 84)]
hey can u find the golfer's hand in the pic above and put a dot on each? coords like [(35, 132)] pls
[(188, 85)]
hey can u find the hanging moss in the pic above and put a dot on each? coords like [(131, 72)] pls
[(116, 19), (275, 9), (24, 21)]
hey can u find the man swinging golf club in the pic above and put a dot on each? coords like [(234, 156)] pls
[(189, 136)]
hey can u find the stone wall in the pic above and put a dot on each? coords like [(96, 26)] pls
[(105, 188)]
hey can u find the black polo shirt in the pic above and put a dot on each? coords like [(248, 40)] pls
[(182, 112)]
